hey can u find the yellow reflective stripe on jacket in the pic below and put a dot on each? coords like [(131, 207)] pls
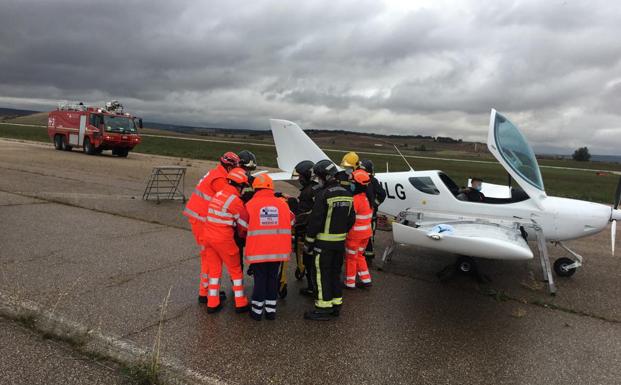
[(331, 237), (331, 201)]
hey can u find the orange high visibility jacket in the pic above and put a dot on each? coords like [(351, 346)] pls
[(225, 213), (269, 228), (212, 182), (364, 213)]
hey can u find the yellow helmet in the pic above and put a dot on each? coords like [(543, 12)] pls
[(350, 160)]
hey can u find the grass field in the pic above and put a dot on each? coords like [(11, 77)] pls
[(585, 185)]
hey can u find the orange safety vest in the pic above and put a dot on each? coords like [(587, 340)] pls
[(364, 213), (203, 192), (269, 228), (225, 212)]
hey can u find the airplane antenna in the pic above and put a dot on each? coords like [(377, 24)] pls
[(387, 166), (404, 159)]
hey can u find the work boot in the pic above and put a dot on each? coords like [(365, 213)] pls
[(202, 299), (320, 314), (363, 285), (336, 310), (242, 309), (212, 310), (255, 316), (307, 292), (270, 316)]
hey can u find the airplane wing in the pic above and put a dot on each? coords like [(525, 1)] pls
[(471, 238)]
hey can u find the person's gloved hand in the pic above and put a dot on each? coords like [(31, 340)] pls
[(250, 270), (309, 248)]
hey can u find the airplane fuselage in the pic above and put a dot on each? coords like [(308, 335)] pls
[(559, 218)]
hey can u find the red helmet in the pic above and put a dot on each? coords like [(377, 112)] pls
[(361, 177), (237, 175), (229, 159)]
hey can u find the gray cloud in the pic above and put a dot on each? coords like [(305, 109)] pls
[(434, 68)]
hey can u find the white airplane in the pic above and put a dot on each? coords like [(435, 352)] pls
[(494, 229)]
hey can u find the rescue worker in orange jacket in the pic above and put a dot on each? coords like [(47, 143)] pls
[(268, 243), (359, 235), (376, 195), (196, 209), (225, 215)]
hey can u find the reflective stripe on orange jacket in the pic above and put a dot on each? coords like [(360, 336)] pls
[(225, 213), (269, 228), (212, 182), (364, 213)]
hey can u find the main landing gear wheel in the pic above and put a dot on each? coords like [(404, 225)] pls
[(561, 267), (299, 274), (465, 265)]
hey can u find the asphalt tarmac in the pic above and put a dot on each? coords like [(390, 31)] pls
[(29, 359), (76, 237)]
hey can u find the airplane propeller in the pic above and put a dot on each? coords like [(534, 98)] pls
[(613, 227)]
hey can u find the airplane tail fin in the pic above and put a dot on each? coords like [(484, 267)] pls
[(293, 145)]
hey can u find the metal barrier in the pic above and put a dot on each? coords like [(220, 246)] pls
[(166, 183)]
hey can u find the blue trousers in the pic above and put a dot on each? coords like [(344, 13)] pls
[(265, 290)]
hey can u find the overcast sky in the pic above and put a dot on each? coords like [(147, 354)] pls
[(403, 67)]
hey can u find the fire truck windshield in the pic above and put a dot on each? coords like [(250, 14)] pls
[(119, 124)]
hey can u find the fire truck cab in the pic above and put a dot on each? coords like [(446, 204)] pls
[(94, 129)]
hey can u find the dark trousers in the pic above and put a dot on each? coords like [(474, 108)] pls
[(327, 285), (309, 269), (265, 289), (369, 253)]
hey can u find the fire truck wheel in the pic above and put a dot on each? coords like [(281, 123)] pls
[(98, 151), (58, 144), (88, 147), (65, 146)]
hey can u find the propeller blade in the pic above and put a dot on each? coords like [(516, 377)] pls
[(613, 235), (618, 195)]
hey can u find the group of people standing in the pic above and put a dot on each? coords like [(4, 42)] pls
[(238, 218)]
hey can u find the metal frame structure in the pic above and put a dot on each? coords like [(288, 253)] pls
[(166, 183)]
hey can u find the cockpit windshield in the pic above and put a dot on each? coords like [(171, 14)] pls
[(119, 124), (516, 152)]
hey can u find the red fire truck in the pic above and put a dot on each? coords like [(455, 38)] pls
[(94, 129)]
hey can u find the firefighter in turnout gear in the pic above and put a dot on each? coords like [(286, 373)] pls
[(328, 224), (349, 163), (359, 235), (268, 244), (196, 210), (226, 215), (376, 195), (306, 199)]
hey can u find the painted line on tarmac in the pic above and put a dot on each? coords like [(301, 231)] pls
[(93, 342), (359, 152)]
